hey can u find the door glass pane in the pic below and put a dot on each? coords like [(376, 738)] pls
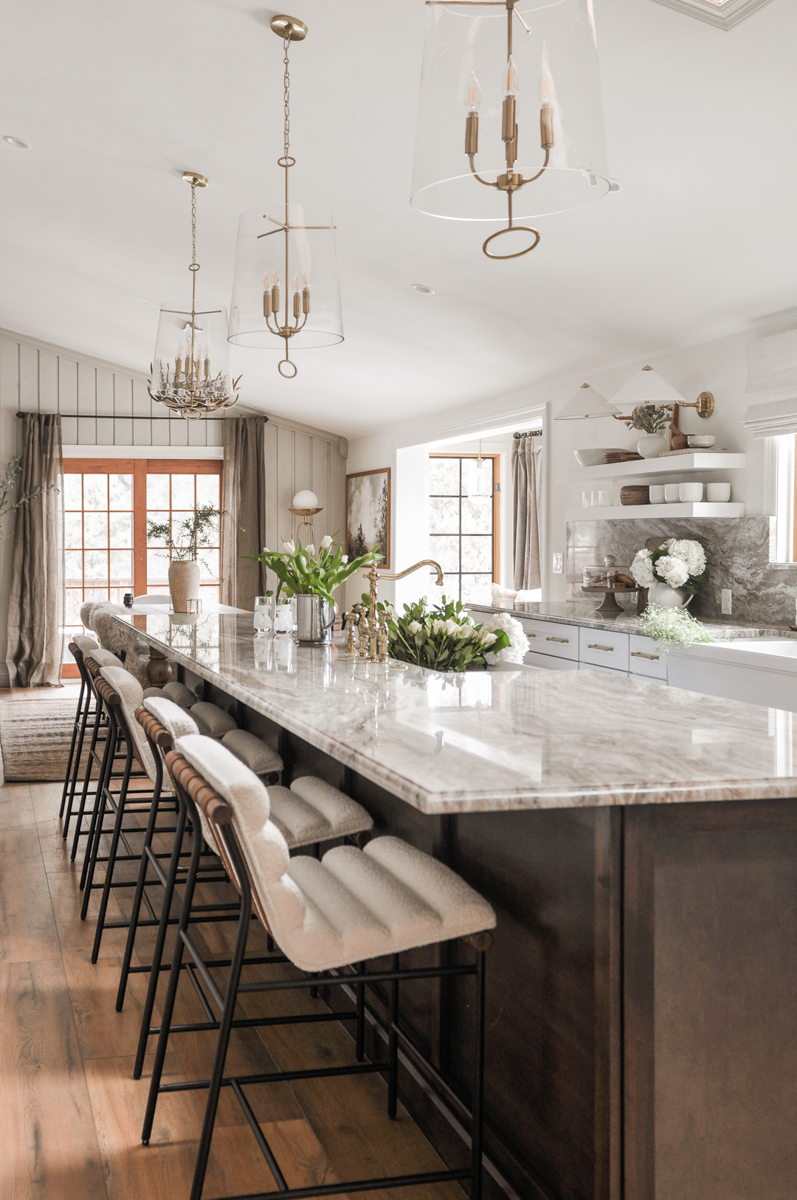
[(120, 488), (157, 518), (477, 514), (157, 568), (476, 589), (444, 477), (445, 550), (95, 566), (121, 568), (183, 491), (461, 525), (209, 565), (73, 568), (95, 492), (207, 490), (73, 529), (73, 491), (443, 515), (95, 529), (158, 491), (120, 529), (477, 553)]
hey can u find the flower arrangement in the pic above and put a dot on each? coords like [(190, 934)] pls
[(672, 627), (445, 637), (301, 571), (190, 534), (679, 562), (650, 418)]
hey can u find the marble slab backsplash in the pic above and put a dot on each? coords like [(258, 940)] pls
[(738, 553)]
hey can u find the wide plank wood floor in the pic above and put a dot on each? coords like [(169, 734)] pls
[(70, 1111)]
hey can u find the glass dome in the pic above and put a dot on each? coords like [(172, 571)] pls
[(191, 367), (500, 81), (286, 280)]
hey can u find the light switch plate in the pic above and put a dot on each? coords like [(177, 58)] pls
[(727, 601), (558, 564)]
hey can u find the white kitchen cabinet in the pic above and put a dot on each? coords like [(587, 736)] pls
[(603, 648), (584, 666), (551, 637), (721, 670), (549, 662), (645, 659)]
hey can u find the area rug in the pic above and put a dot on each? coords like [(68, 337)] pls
[(35, 736)]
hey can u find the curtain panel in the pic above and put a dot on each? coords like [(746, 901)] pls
[(243, 529), (527, 509), (36, 597)]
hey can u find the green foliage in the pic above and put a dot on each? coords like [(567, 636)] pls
[(441, 639), (648, 418), (8, 482), (672, 627), (192, 533), (302, 571)]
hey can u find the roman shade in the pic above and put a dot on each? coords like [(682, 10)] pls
[(771, 391)]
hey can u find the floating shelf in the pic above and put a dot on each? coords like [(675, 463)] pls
[(636, 512), (676, 464)]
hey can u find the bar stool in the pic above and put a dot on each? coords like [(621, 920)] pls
[(326, 916), (91, 663), (83, 714), (328, 814)]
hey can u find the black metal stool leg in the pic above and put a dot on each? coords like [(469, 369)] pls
[(84, 794), (477, 1104), (111, 863), (79, 718), (359, 1041), (392, 1044), (97, 816), (141, 884)]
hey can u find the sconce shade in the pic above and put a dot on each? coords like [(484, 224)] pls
[(305, 256), (466, 73), (305, 499), (586, 403), (646, 387)]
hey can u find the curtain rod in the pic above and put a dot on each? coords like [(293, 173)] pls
[(110, 417), (528, 433)]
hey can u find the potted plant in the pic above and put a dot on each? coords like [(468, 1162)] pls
[(672, 572), (312, 578), (651, 419), (446, 638), (184, 543)]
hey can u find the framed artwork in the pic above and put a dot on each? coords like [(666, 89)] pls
[(368, 513)]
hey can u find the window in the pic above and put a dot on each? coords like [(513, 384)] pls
[(107, 505), (464, 525)]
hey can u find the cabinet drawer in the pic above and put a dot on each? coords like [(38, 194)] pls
[(604, 670), (549, 662), (549, 637), (645, 659), (602, 648)]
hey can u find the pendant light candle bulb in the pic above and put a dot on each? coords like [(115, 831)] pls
[(510, 84), (474, 93)]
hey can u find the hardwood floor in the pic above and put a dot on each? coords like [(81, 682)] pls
[(70, 1111)]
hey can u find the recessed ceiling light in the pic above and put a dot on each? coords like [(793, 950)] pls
[(423, 288), (17, 143)]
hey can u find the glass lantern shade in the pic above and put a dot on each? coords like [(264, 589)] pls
[(467, 70), (304, 264), (192, 357)]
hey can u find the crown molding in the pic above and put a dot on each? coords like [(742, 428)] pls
[(725, 16)]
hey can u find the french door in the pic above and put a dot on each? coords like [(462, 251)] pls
[(108, 504)]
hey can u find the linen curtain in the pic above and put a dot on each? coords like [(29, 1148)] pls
[(243, 529), (36, 597), (527, 509)]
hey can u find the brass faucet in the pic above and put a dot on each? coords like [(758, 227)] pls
[(373, 576)]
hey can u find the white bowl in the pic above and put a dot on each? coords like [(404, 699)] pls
[(700, 441), (657, 493), (718, 493), (671, 493), (690, 493), (593, 457)]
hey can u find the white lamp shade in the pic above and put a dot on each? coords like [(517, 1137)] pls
[(646, 387), (586, 403), (305, 256), (465, 68), (305, 499)]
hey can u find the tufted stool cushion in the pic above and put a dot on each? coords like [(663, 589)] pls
[(258, 756), (353, 904), (174, 719), (84, 643), (105, 658), (317, 812), (179, 694), (152, 691), (211, 720)]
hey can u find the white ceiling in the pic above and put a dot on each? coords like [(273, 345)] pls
[(118, 99)]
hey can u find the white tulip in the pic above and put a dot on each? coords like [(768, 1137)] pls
[(289, 547), (345, 558), (326, 541), (266, 550), (310, 549)]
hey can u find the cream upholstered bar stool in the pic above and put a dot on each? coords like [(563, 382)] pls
[(309, 812), (96, 763), (326, 916), (83, 714)]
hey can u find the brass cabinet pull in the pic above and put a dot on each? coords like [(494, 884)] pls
[(641, 654), (608, 649), (565, 641)]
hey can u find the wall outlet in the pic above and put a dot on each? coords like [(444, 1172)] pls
[(727, 601), (558, 564)]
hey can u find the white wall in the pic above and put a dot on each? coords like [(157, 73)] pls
[(97, 400), (719, 366)]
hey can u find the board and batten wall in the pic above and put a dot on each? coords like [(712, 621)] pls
[(96, 401)]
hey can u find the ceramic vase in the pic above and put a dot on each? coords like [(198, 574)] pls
[(183, 583), (651, 446), (669, 597)]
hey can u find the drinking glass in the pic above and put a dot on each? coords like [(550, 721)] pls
[(263, 618)]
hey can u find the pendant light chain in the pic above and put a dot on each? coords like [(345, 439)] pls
[(286, 81), (194, 263)]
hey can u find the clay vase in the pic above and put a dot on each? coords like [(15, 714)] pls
[(183, 583)]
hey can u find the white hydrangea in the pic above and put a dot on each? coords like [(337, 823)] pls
[(518, 642), (673, 571), (690, 552), (642, 569)]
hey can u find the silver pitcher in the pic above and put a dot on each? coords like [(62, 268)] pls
[(314, 619)]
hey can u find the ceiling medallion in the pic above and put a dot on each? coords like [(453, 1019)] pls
[(724, 13), (524, 75), (285, 288), (190, 371)]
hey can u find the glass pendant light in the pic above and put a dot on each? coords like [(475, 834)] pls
[(285, 291), (190, 372), (482, 475), (519, 79)]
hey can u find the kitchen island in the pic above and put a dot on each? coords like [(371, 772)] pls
[(638, 844)]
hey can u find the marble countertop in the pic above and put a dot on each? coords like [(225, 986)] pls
[(578, 612), (494, 740)]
